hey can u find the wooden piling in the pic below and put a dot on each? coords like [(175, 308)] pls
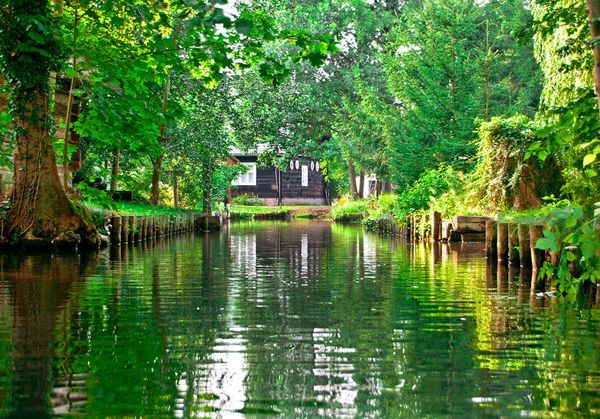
[(436, 223), (132, 227), (144, 225), (115, 232), (524, 247), (148, 228), (124, 230), (537, 255), (502, 241), (491, 240), (161, 225)]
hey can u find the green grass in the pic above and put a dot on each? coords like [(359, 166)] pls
[(250, 212), (100, 215), (131, 208), (137, 209), (256, 209)]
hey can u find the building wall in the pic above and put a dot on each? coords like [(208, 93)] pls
[(293, 193)]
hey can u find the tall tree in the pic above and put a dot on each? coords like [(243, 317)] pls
[(30, 49)]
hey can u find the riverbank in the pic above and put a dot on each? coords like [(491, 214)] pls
[(256, 212), (559, 242), (125, 223)]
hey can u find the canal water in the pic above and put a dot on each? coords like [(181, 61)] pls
[(300, 319)]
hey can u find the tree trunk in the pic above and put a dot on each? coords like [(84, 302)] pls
[(68, 116), (156, 168), (67, 136), (352, 176), (41, 208), (206, 201), (114, 176), (361, 186), (157, 162), (175, 191), (593, 7)]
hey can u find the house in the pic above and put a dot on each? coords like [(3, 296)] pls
[(301, 183), (369, 186)]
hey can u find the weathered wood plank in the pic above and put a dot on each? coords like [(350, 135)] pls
[(468, 224)]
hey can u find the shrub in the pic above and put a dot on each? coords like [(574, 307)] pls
[(247, 199), (95, 197), (572, 234), (505, 175), (432, 183), (350, 211)]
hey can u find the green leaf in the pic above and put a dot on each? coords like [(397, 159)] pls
[(589, 159), (545, 244)]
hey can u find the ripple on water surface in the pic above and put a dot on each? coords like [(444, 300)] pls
[(299, 319)]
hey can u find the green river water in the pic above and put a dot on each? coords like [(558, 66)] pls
[(302, 319)]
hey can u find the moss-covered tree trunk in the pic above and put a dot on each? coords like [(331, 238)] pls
[(40, 206), (30, 48)]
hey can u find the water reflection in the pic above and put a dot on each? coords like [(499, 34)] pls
[(300, 319)]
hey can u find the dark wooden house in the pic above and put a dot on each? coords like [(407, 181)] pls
[(301, 183)]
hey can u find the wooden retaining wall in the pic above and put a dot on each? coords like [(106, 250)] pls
[(129, 229), (510, 244)]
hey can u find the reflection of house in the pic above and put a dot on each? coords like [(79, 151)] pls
[(300, 183)]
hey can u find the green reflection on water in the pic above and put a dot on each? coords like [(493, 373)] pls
[(299, 319)]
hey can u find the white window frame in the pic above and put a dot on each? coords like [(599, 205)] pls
[(248, 178), (304, 175)]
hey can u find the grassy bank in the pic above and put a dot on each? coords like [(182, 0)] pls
[(100, 214), (389, 205), (253, 212)]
